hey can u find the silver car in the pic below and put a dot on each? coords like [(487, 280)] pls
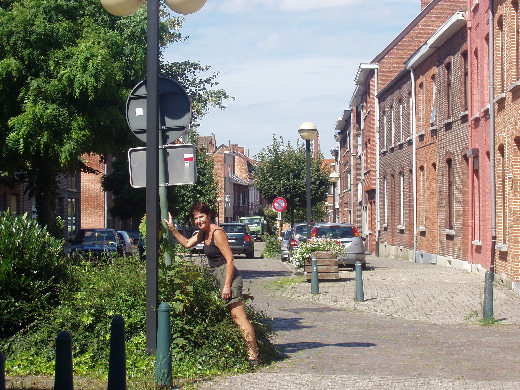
[(349, 236)]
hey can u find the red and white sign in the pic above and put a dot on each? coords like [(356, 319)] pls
[(279, 204), (188, 158)]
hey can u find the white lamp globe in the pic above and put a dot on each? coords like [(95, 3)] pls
[(308, 131), (185, 7), (122, 7)]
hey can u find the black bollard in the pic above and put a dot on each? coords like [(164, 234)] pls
[(63, 379), (117, 358), (360, 295), (2, 371), (488, 295), (163, 362)]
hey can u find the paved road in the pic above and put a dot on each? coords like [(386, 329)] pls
[(417, 328)]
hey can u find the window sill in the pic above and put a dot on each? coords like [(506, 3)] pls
[(501, 247), (421, 228), (400, 227), (513, 87), (499, 98), (421, 133), (476, 242), (433, 128), (449, 232), (448, 121)]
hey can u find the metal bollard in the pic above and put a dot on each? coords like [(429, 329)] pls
[(163, 363), (117, 358), (315, 286), (63, 379), (360, 295), (2, 371), (488, 295)]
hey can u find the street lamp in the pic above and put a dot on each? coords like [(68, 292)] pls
[(125, 8), (308, 132), (333, 178)]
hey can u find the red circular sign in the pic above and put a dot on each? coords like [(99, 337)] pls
[(279, 204)]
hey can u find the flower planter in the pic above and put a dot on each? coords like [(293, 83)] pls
[(328, 268)]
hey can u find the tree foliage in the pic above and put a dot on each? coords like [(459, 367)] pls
[(282, 172), (66, 69)]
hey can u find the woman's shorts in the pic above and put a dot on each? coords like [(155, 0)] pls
[(219, 273)]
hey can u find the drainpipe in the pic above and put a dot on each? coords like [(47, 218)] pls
[(492, 135), (414, 165)]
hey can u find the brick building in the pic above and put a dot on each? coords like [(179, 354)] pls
[(237, 197), (505, 109)]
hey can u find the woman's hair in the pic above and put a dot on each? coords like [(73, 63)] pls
[(201, 207)]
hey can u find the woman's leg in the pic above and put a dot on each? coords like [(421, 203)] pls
[(238, 313)]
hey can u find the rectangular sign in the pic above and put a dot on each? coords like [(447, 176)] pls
[(180, 165)]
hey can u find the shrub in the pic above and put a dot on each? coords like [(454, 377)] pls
[(205, 341), (272, 246), (304, 250), (33, 272)]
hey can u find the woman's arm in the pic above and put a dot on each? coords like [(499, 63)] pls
[(221, 241), (185, 242)]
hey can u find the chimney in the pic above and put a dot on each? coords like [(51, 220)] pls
[(316, 145)]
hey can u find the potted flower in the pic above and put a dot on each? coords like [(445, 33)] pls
[(314, 245)]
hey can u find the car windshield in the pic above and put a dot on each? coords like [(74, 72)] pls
[(301, 230), (250, 221), (335, 232), (93, 236), (234, 228)]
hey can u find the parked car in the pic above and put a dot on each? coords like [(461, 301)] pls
[(240, 239), (129, 248), (299, 235), (199, 248), (285, 244), (348, 235), (96, 243)]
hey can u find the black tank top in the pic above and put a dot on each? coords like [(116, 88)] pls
[(213, 253)]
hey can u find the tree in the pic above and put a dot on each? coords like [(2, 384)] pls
[(66, 69), (281, 172)]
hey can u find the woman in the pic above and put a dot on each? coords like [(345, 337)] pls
[(222, 267)]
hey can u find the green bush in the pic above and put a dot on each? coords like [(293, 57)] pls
[(272, 247), (33, 272), (205, 341)]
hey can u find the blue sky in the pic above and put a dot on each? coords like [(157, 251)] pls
[(286, 61)]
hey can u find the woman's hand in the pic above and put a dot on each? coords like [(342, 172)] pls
[(226, 292), (169, 221)]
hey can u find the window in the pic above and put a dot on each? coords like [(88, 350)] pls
[(433, 115), (516, 37), (502, 55), (392, 124), (475, 78), (451, 193), (385, 193), (401, 199), (465, 83), (502, 200), (72, 217), (422, 200), (410, 110), (400, 120), (476, 199), (449, 92), (421, 104), (385, 129)]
